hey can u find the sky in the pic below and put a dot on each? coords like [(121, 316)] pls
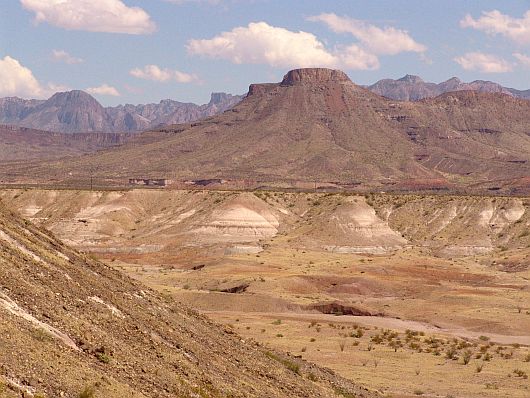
[(142, 51)]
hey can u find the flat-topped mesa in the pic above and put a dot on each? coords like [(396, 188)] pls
[(314, 75), (260, 88)]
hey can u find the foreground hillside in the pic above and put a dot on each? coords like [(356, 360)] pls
[(318, 126), (71, 326)]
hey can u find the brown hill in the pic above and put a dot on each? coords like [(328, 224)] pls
[(71, 326), (316, 125), (21, 143)]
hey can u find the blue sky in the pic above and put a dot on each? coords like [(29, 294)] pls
[(140, 51)]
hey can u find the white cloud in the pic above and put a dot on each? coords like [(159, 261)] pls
[(486, 63), (104, 89), (63, 56), (261, 43), (17, 80), (495, 22), (153, 72), (111, 16), (388, 40), (522, 58)]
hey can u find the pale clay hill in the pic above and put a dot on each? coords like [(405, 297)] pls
[(316, 125), (70, 326), (78, 112)]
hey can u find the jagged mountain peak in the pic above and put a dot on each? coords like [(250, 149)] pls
[(73, 96), (77, 111), (410, 79)]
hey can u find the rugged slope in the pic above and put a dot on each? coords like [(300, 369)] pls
[(316, 125), (413, 88), (20, 143), (76, 111), (70, 325)]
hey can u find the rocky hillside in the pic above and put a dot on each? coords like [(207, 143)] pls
[(21, 143), (413, 88), (316, 125), (71, 326), (76, 111)]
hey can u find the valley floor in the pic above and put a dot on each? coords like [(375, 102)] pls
[(409, 295)]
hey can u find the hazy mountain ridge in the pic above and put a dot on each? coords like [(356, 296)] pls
[(414, 88), (77, 111)]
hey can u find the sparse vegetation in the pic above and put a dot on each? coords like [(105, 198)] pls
[(87, 392)]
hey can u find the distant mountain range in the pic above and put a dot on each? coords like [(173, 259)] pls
[(316, 125), (77, 111), (413, 88)]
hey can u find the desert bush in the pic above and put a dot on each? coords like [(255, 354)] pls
[(478, 367), (102, 357), (466, 357), (292, 366), (87, 392), (451, 353), (520, 373), (342, 344), (358, 333)]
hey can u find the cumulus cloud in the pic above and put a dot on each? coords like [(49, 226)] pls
[(261, 43), (155, 73), (494, 22), (111, 16), (523, 59), (63, 56), (104, 89), (384, 41), (17, 80), (486, 63)]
